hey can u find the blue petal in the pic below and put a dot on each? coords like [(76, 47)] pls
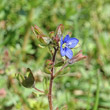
[(69, 53), (62, 51), (61, 41), (72, 42), (66, 38)]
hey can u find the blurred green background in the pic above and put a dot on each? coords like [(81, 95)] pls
[(82, 88)]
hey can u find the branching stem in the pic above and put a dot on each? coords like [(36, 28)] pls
[(51, 80), (61, 70), (38, 90)]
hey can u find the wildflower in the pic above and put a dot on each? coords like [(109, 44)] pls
[(66, 45)]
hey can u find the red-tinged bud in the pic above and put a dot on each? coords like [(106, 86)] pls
[(42, 38), (48, 65), (52, 34), (39, 31), (56, 39), (48, 62), (79, 56), (59, 30)]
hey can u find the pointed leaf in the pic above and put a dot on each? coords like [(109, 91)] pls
[(52, 34), (59, 64), (27, 80), (46, 70), (39, 31)]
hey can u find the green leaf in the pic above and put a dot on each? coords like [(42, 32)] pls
[(47, 67), (52, 34), (59, 64), (46, 70), (27, 80)]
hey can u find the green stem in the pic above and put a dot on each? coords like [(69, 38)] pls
[(97, 93)]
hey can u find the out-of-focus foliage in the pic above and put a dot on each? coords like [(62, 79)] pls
[(88, 20)]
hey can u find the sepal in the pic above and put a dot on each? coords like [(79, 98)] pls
[(59, 30), (43, 39)]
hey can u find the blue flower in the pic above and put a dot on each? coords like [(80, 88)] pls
[(66, 45)]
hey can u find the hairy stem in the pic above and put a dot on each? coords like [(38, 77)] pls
[(51, 81), (38, 90)]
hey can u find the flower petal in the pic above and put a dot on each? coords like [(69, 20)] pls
[(66, 38), (69, 53), (62, 51), (72, 42), (61, 41)]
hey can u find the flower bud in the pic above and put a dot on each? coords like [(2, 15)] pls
[(56, 39), (59, 30), (52, 34), (48, 65), (42, 38)]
